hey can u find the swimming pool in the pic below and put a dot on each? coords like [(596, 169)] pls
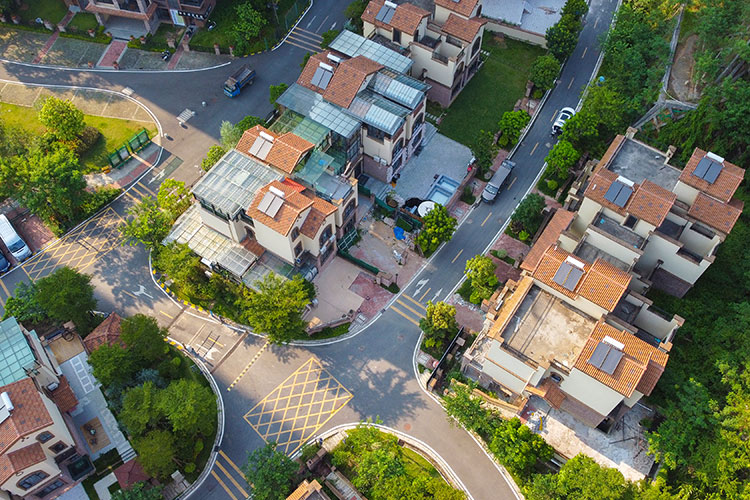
[(442, 190)]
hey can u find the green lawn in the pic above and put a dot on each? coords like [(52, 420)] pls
[(82, 22), (49, 10), (114, 131), (492, 91), (158, 41)]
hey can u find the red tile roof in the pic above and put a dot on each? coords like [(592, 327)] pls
[(29, 413), (552, 393), (64, 397), (129, 473), (461, 28), (294, 204), (108, 332), (717, 214), (725, 185), (17, 461), (557, 224), (316, 217), (406, 17), (632, 368), (309, 70), (463, 7), (286, 151), (598, 186), (651, 203), (348, 78)]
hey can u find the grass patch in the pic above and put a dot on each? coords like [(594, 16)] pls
[(49, 10), (114, 131), (504, 257), (494, 89), (416, 463), (158, 41), (329, 333), (83, 21)]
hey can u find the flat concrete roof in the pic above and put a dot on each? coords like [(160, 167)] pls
[(545, 328), (638, 162), (590, 253)]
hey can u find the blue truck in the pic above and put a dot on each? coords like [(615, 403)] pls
[(239, 79)]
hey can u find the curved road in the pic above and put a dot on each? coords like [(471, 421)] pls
[(376, 366)]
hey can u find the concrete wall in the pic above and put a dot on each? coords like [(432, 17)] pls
[(697, 242), (660, 247), (591, 392), (685, 193), (230, 229), (516, 33), (583, 305), (277, 243), (602, 241), (654, 324), (585, 216)]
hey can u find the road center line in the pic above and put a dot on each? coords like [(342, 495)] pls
[(486, 219), (534, 149), (419, 314), (456, 257), (231, 478), (512, 182), (224, 485), (167, 315), (400, 312), (414, 301), (554, 115), (229, 460), (5, 288), (130, 294), (424, 294), (571, 82), (584, 52)]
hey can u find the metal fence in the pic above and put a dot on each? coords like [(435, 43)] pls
[(122, 154)]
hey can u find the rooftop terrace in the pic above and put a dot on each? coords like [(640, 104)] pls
[(637, 162), (613, 228), (590, 253)]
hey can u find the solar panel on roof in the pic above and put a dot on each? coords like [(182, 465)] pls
[(264, 149), (325, 79), (317, 77), (623, 196), (713, 172), (389, 15), (381, 13), (702, 167), (256, 146), (618, 193), (275, 206), (600, 352), (265, 202), (573, 277), (611, 361), (562, 273)]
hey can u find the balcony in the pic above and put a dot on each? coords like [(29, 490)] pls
[(618, 231), (428, 41), (691, 256), (670, 229), (438, 57)]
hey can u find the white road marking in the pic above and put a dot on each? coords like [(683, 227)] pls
[(434, 299), (142, 291), (420, 285), (311, 21)]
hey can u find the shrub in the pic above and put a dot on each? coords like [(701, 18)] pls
[(328, 37), (511, 125), (214, 154), (552, 184), (523, 236), (537, 94), (468, 195), (528, 214), (86, 139), (544, 72)]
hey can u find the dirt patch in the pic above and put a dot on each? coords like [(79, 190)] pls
[(467, 315), (681, 84)]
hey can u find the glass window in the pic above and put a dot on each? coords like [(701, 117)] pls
[(58, 483), (375, 133), (45, 436), (399, 146), (396, 35), (349, 209), (418, 121), (32, 480), (326, 235), (298, 249), (58, 447), (295, 234)]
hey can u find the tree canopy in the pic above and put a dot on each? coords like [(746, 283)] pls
[(511, 124), (438, 227), (270, 472), (544, 71), (484, 150), (561, 158), (439, 323), (480, 271), (62, 118), (173, 197), (276, 307), (138, 491), (147, 223), (144, 338), (528, 214), (67, 295)]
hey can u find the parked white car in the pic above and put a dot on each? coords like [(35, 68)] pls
[(564, 116)]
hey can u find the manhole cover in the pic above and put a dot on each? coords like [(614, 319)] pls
[(407, 427)]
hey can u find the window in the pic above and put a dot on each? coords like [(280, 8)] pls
[(375, 133), (58, 447), (246, 218), (630, 222), (349, 209), (476, 46), (326, 235), (418, 121), (398, 147), (298, 249), (295, 234), (32, 480), (396, 36), (396, 164), (57, 483), (45, 436)]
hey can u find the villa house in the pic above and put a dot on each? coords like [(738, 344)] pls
[(39, 457), (444, 45), (150, 12)]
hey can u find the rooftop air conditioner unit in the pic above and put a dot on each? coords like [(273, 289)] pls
[(51, 387)]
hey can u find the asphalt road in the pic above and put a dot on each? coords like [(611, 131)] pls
[(375, 367)]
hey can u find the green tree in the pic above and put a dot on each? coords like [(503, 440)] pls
[(484, 150), (144, 338), (328, 37), (519, 449), (24, 305), (139, 491), (378, 465), (582, 130), (575, 8), (511, 124), (562, 37), (249, 122), (581, 478), (112, 365), (276, 307), (480, 271), (270, 472), (275, 92), (182, 265), (561, 158), (438, 227), (439, 322), (141, 409), (190, 407), (354, 13), (214, 154), (173, 197), (68, 295), (467, 409), (156, 451), (528, 214), (248, 22), (147, 223), (544, 71), (62, 118), (230, 134)]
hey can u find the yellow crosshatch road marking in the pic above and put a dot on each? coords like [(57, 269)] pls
[(302, 404), (80, 248)]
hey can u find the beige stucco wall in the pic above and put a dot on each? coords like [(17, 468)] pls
[(603, 242), (229, 229), (654, 324), (312, 245), (643, 228), (585, 216), (696, 242), (633, 399), (47, 466), (436, 70), (516, 33), (382, 149), (591, 392), (660, 247), (274, 242), (339, 214), (583, 305), (685, 193)]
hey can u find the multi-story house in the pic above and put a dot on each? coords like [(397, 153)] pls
[(359, 93), (443, 45), (150, 12), (39, 457)]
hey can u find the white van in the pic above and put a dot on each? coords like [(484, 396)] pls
[(15, 244)]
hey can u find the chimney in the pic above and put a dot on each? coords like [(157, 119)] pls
[(630, 133), (670, 153)]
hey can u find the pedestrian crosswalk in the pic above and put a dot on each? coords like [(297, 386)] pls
[(306, 40), (408, 308)]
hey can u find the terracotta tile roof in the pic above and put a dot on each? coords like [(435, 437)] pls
[(108, 332), (717, 214), (253, 246), (287, 151), (348, 78), (406, 18), (650, 378), (324, 206), (651, 203), (248, 138), (598, 186), (604, 284), (309, 70), (129, 473), (463, 7), (601, 282), (305, 490), (463, 29), (29, 413), (317, 216), (294, 204), (552, 393), (724, 186), (631, 369), (19, 460), (64, 397), (557, 224)]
